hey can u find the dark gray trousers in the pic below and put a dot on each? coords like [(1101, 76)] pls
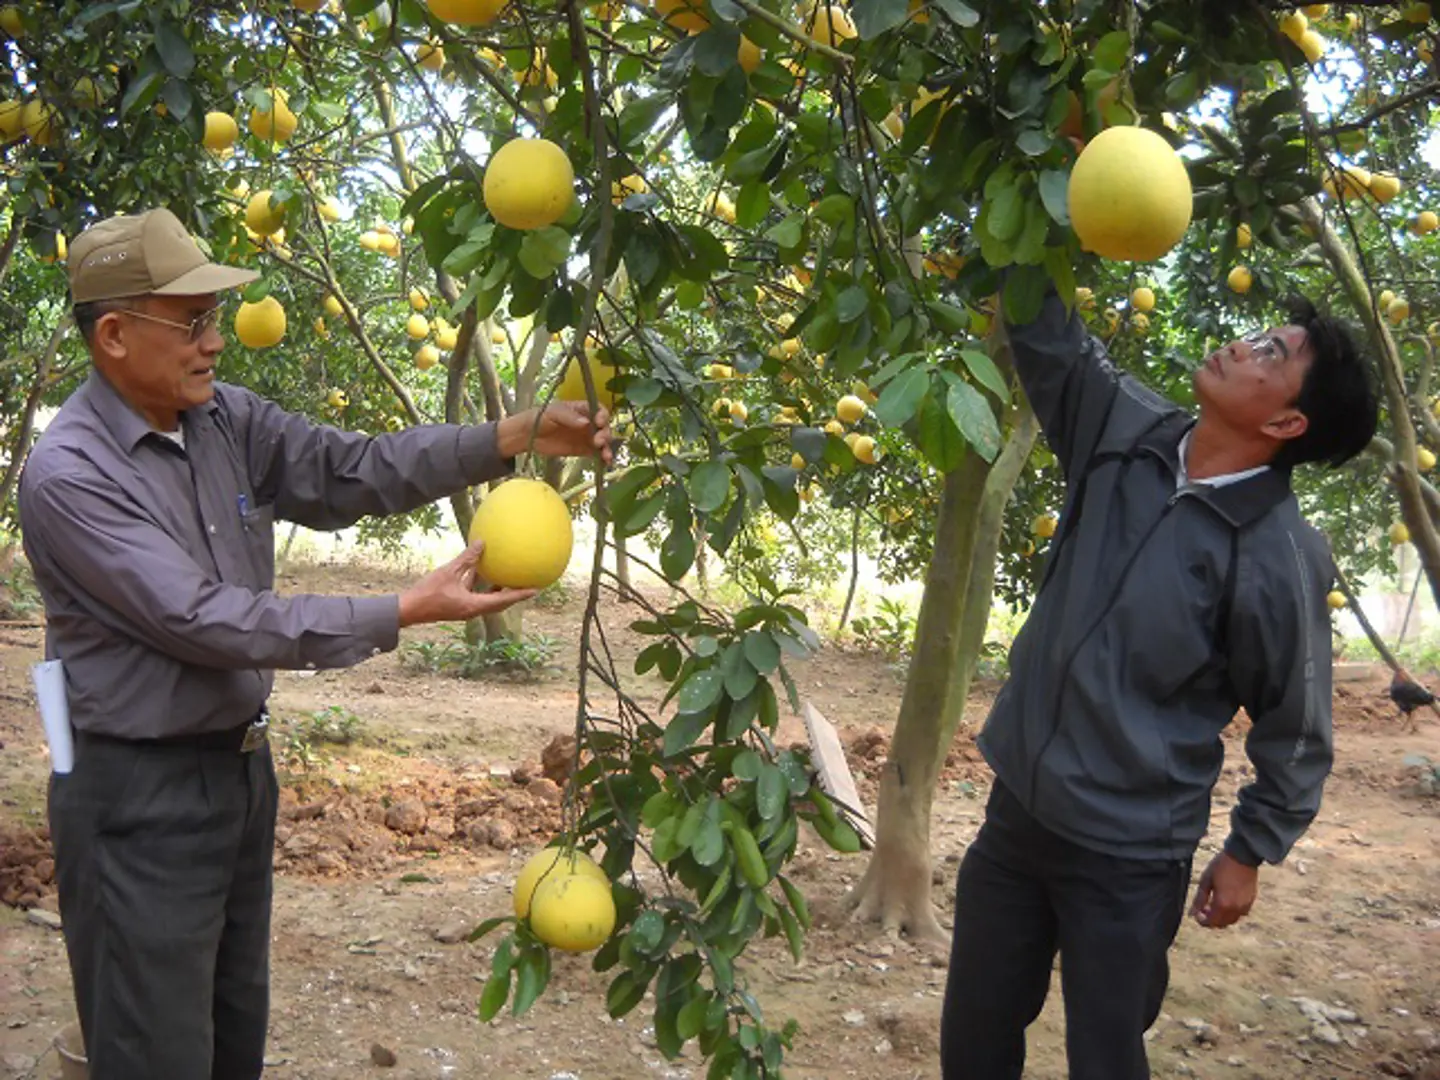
[(163, 858), (1024, 893)]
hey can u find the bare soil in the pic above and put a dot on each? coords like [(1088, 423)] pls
[(414, 832)]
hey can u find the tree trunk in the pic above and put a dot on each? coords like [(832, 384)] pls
[(25, 427), (622, 565), (954, 613)]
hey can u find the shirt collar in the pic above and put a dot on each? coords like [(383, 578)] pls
[(1182, 475), (121, 418)]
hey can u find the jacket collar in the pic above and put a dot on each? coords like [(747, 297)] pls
[(1239, 503), (119, 416)]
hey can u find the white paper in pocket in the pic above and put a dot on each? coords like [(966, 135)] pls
[(49, 678)]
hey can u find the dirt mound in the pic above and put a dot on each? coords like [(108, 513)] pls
[(867, 750), (27, 867), (325, 829)]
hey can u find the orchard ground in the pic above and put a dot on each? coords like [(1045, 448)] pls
[(394, 844)]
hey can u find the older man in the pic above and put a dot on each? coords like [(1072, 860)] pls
[(148, 508)]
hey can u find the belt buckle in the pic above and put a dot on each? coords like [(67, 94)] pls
[(257, 734)]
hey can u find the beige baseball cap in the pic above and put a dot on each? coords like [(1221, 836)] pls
[(144, 254)]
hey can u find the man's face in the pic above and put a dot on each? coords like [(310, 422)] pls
[(1250, 385), (160, 368)]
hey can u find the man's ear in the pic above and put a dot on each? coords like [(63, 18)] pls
[(1287, 424), (109, 337)]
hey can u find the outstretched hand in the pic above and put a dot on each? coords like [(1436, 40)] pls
[(445, 594), (1225, 893), (564, 429)]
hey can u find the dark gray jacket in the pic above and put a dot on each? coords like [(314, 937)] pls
[(1161, 612)]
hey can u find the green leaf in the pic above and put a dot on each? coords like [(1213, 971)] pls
[(646, 931), (959, 12), (492, 998), (874, 17), (1111, 51), (902, 396), (701, 691), (793, 937), (486, 926), (1054, 193), (771, 791), (717, 50), (709, 843), (709, 485), (762, 651), (949, 318), (851, 304), (625, 992), (1007, 213), (746, 765), (752, 204), (1024, 293), (1033, 142), (683, 730), (544, 250), (940, 440), (532, 975), (788, 233), (677, 551), (986, 373), (465, 258), (972, 415), (175, 52)]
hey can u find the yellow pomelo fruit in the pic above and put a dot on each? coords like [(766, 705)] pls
[(258, 326), (430, 56), (329, 209), (1425, 458), (834, 427), (1316, 11), (277, 123), (527, 532), (321, 330), (11, 23), (864, 449), (466, 12), (548, 863), (621, 189), (850, 409), (575, 913), (332, 307), (260, 217), (418, 300), (831, 25), (1399, 533), (1336, 599), (417, 326), (1347, 182), (723, 207), (1384, 187), (1240, 279), (796, 461), (1044, 526), (572, 386), (85, 93), (1243, 237), (221, 131), (1293, 25), (446, 337), (337, 399), (1426, 222), (739, 412), (1384, 299), (687, 15), (497, 336), (750, 56), (426, 357), (1143, 299), (529, 184), (38, 119), (12, 123), (1312, 45), (1130, 196), (1398, 310)]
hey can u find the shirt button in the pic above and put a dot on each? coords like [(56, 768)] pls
[(375, 651), (212, 530), (311, 665)]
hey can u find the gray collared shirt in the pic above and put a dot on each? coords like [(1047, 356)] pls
[(157, 563)]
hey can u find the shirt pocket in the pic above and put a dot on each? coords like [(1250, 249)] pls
[(257, 525)]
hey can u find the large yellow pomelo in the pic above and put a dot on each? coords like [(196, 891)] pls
[(575, 913), (529, 184), (572, 387), (467, 12), (277, 123), (546, 864), (260, 217), (687, 15), (11, 22), (258, 326), (527, 532), (12, 122), (221, 131), (38, 119), (1130, 197)]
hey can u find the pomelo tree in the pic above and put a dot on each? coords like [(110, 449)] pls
[(769, 205)]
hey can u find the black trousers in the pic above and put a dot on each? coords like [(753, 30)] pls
[(1025, 893), (163, 858)]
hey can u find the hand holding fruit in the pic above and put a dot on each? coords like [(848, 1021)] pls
[(446, 594), (565, 429)]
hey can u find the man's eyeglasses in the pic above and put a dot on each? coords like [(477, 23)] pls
[(195, 328)]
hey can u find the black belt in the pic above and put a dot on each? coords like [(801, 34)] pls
[(241, 739)]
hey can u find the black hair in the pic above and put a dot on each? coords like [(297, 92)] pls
[(87, 314), (1337, 396)]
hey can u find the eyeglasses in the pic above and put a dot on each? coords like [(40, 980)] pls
[(195, 328)]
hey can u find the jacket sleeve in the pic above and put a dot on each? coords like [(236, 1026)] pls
[(325, 478), (1069, 379), (132, 576), (1281, 671)]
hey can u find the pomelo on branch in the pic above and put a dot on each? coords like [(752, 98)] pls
[(221, 131), (426, 357), (1425, 458), (527, 532), (38, 118), (850, 409), (575, 913), (1143, 299), (749, 56), (277, 123), (687, 15), (1335, 599), (1427, 221), (1243, 237), (1129, 195), (1399, 533), (572, 386), (467, 12), (551, 862), (332, 306), (12, 123), (1240, 279), (417, 326), (260, 325), (529, 184), (1384, 187), (11, 22), (261, 217)]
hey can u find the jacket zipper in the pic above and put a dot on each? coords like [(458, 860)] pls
[(1104, 611)]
